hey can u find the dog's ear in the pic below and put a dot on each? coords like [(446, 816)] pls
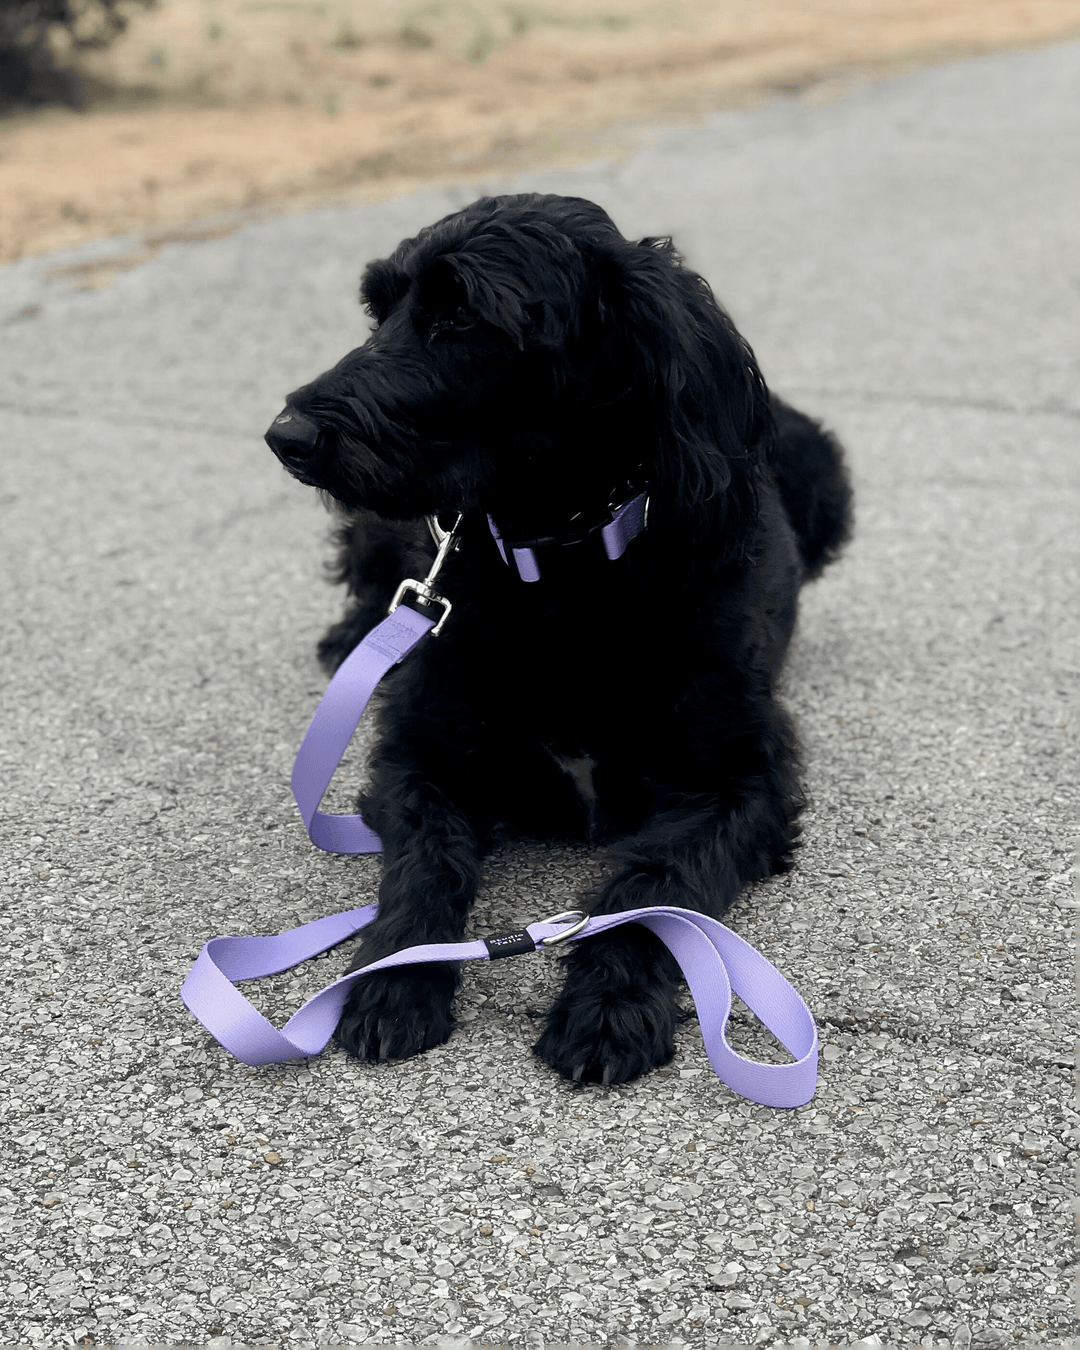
[(381, 287), (711, 420)]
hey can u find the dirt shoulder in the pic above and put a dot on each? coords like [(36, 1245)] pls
[(220, 107)]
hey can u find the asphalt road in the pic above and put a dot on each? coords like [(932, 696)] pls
[(903, 260)]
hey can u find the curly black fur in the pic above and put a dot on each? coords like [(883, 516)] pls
[(526, 359)]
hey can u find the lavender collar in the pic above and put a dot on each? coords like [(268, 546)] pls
[(625, 522)]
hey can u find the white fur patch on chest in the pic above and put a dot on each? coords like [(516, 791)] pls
[(579, 769)]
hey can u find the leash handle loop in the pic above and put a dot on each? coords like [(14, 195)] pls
[(714, 960)]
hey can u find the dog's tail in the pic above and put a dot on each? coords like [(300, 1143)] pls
[(808, 464)]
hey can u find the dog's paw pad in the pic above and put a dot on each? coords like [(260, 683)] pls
[(396, 1013)]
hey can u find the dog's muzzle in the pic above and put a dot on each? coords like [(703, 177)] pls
[(297, 441)]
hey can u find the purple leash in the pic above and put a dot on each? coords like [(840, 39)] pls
[(715, 961), (336, 719)]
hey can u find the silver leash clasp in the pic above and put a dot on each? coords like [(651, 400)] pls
[(447, 541)]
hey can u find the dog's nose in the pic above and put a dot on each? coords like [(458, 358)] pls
[(293, 437)]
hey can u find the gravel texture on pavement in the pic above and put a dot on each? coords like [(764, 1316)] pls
[(903, 261)]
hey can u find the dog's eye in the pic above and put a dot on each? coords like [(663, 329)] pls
[(458, 322)]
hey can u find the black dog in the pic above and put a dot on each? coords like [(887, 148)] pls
[(532, 370)]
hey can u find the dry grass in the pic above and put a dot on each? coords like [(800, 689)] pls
[(224, 105)]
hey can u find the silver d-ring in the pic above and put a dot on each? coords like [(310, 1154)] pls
[(576, 918)]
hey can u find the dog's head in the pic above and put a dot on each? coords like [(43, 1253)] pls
[(525, 359)]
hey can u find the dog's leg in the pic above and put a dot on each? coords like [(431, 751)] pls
[(615, 1017), (431, 869)]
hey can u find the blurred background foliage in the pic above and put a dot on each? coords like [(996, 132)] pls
[(237, 50), (41, 42)]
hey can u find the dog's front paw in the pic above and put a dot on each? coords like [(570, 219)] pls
[(613, 1021), (396, 1013)]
